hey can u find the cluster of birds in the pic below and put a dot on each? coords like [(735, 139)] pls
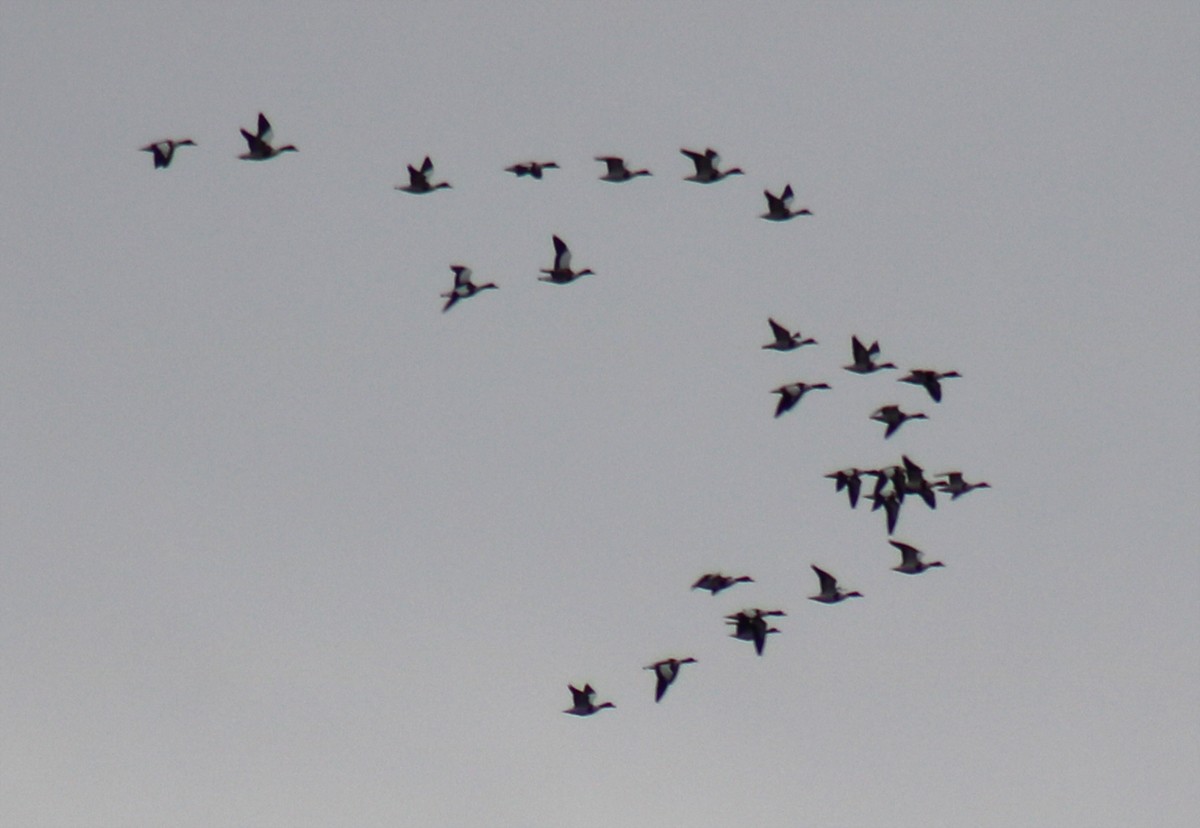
[(420, 182), (892, 483)]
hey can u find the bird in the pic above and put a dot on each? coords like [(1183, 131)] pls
[(706, 167), (910, 559), (260, 148), (914, 482), (929, 380), (830, 594), (164, 151), (894, 418), (890, 503), (956, 486), (850, 480), (790, 394), (583, 702), (751, 625), (531, 168), (418, 180), (715, 582), (864, 358), (666, 671), (617, 171), (463, 286), (785, 340), (777, 206), (561, 273)]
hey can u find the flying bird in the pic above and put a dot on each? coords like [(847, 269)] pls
[(666, 671), (706, 167), (464, 288), (785, 340), (910, 559), (533, 169), (790, 394), (956, 486), (830, 592), (850, 480), (929, 380), (893, 417), (715, 582), (419, 179), (583, 702), (561, 273), (778, 208), (164, 151), (890, 503), (259, 144), (864, 358), (617, 171), (751, 625)]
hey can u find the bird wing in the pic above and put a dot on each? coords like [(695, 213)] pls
[(828, 582)]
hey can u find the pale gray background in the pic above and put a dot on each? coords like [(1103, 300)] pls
[(282, 545)]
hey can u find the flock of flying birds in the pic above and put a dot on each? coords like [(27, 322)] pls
[(892, 484)]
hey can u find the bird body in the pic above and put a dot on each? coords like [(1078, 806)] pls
[(778, 206), (893, 417), (533, 169), (864, 358), (259, 143), (785, 340), (715, 582), (830, 592), (164, 151), (910, 559), (583, 702), (419, 179), (666, 671), (956, 486), (929, 380), (463, 288), (561, 273), (790, 394), (616, 171), (706, 164), (850, 480), (751, 625)]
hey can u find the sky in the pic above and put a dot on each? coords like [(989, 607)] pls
[(282, 544)]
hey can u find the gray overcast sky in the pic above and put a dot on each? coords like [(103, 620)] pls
[(283, 545)]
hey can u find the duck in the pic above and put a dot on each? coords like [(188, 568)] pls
[(463, 288), (532, 169), (910, 559), (583, 702), (894, 418), (751, 625), (785, 340), (164, 151), (561, 273), (617, 171), (706, 167), (666, 671), (791, 393), (777, 206), (259, 144), (850, 480), (929, 380), (418, 180), (864, 358), (956, 486), (830, 592), (715, 582)]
